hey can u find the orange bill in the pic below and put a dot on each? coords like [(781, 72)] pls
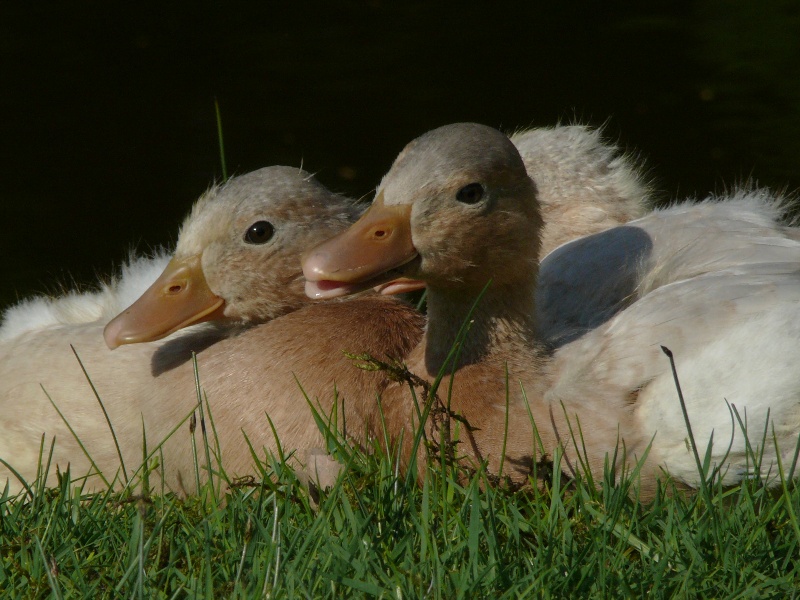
[(368, 254), (179, 297)]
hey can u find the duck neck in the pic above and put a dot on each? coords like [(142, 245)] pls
[(486, 321)]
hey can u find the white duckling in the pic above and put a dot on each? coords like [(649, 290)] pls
[(458, 211)]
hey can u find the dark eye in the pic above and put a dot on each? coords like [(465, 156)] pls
[(470, 194), (259, 232)]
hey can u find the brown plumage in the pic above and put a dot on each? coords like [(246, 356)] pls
[(265, 372)]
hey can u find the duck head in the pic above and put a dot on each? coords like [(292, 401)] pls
[(456, 210), (237, 255)]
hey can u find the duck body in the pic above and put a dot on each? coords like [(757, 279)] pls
[(148, 391), (302, 359), (715, 282), (484, 389), (27, 385)]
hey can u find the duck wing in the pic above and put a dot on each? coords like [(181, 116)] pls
[(583, 283)]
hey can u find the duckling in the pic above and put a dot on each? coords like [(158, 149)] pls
[(256, 300), (237, 261), (458, 211), (230, 263)]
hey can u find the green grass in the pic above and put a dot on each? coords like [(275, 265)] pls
[(377, 534)]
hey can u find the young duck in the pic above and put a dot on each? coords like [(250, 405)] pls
[(237, 259), (283, 205), (231, 262), (458, 211)]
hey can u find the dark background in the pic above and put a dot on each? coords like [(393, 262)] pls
[(108, 130)]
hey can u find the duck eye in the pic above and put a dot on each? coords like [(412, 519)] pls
[(259, 232), (470, 194)]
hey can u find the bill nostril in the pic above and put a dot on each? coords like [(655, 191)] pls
[(380, 233)]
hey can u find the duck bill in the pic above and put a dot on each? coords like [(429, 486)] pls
[(179, 297), (370, 253)]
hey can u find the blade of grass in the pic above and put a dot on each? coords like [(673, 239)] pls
[(105, 414), (54, 587), (505, 426), (207, 451), (77, 438), (703, 483), (221, 141), (19, 477), (784, 488)]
